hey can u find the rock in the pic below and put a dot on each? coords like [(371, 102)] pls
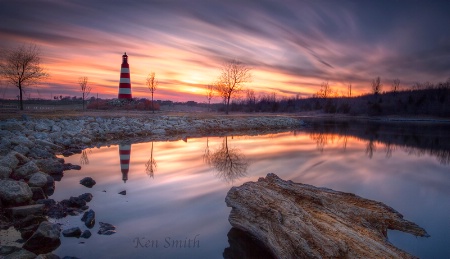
[(10, 161), (38, 193), (47, 256), (67, 153), (159, 132), (76, 202), (13, 252), (38, 179), (69, 166), (89, 218), (23, 211), (86, 234), (14, 192), (25, 171), (295, 220), (123, 192), (50, 182), (22, 141), (85, 140), (40, 126), (39, 153), (48, 144), (5, 172), (86, 197), (11, 126), (106, 229), (72, 232), (56, 211), (56, 128), (45, 239), (88, 182), (21, 149), (50, 166)]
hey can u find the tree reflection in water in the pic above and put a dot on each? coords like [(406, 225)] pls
[(230, 163), (150, 166), (432, 139), (84, 159)]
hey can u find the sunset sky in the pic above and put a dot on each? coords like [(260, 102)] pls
[(291, 46)]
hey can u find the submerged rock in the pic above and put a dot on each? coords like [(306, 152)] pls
[(123, 192), (295, 220)]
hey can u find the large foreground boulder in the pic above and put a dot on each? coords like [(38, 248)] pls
[(295, 220)]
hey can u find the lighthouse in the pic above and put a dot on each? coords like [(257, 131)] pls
[(125, 83), (124, 154)]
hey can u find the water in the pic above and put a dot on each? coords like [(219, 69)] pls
[(174, 204)]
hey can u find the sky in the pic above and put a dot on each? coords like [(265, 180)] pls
[(291, 46)]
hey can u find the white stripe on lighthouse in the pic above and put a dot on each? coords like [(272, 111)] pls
[(124, 166), (125, 70), (125, 91), (125, 157), (125, 80)]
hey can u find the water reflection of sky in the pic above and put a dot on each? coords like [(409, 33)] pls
[(185, 198)]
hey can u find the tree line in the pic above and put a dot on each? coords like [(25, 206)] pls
[(22, 67)]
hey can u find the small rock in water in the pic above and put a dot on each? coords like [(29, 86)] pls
[(72, 232), (88, 182), (106, 229), (86, 196), (69, 166), (123, 192), (89, 218), (86, 234)]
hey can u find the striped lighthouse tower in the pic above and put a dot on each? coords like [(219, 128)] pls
[(124, 153), (125, 83)]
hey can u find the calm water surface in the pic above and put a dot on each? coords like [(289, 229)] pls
[(175, 190)]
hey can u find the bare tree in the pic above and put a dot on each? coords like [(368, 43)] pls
[(209, 94), (395, 85), (232, 80), (325, 90), (152, 85), (376, 85), (250, 99), (85, 88), (22, 67)]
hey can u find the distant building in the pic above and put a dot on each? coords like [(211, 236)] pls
[(125, 83)]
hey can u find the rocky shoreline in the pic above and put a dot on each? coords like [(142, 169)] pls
[(29, 164)]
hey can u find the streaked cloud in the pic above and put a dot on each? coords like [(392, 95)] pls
[(292, 46)]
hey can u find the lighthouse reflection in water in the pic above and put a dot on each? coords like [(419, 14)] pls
[(124, 154)]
